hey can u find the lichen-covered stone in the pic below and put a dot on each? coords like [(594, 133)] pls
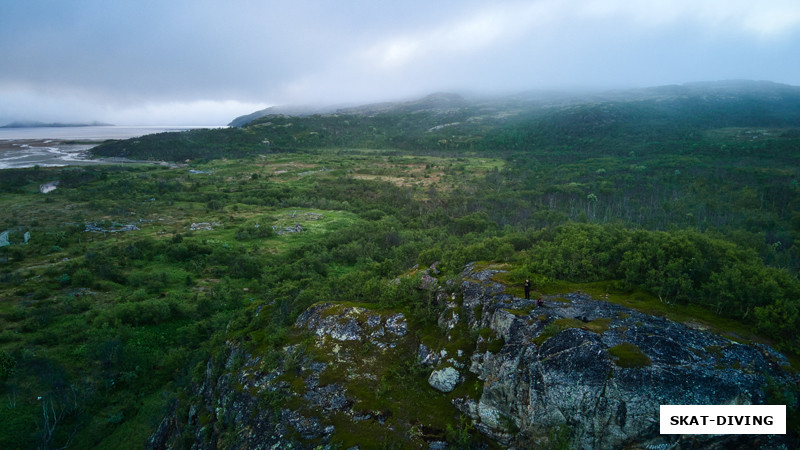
[(444, 380), (427, 357), (397, 324)]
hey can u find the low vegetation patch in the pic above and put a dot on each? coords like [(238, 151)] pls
[(628, 355)]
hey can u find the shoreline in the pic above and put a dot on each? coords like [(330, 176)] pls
[(26, 153)]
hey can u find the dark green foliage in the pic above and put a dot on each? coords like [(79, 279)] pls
[(146, 312), (82, 277), (191, 145), (461, 435), (8, 365), (788, 395)]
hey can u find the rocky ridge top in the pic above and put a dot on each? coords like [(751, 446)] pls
[(599, 371)]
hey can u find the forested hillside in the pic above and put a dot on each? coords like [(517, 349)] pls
[(679, 201)]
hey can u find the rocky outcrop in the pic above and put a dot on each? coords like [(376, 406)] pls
[(577, 369), (599, 371), (246, 401)]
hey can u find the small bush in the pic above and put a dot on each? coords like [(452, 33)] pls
[(7, 365), (41, 293), (145, 312), (64, 280), (83, 278)]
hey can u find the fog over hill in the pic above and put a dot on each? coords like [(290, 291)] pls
[(84, 60), (708, 93)]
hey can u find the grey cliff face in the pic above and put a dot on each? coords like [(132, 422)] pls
[(576, 369), (545, 378)]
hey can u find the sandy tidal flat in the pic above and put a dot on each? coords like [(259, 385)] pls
[(16, 153)]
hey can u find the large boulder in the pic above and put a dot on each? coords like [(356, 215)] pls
[(598, 372), (444, 380)]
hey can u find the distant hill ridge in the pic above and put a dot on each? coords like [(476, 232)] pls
[(601, 123), (34, 124), (432, 101), (447, 102)]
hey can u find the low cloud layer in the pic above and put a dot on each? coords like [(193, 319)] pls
[(205, 62)]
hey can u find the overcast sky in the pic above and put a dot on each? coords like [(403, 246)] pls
[(202, 62)]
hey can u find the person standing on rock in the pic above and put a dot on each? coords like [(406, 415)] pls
[(527, 287)]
